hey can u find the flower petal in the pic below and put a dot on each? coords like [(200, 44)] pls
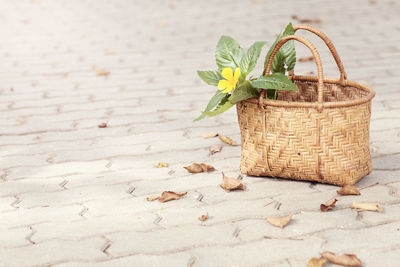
[(227, 73), (228, 88), (222, 84)]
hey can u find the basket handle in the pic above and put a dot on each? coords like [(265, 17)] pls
[(317, 61), (329, 44)]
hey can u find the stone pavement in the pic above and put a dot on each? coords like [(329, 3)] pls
[(74, 194)]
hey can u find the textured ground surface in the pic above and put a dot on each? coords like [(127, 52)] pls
[(73, 194)]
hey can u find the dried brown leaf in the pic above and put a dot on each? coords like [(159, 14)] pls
[(363, 206), (210, 135), (310, 21), (102, 125), (169, 195), (199, 167), (348, 190), (161, 23), (161, 165), (204, 217), (316, 21), (316, 262), (21, 120), (329, 205), (215, 149), (101, 72), (230, 184), (344, 260), (109, 53), (227, 140), (152, 198), (280, 221), (305, 59)]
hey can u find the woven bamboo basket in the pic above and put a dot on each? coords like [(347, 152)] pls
[(319, 133)]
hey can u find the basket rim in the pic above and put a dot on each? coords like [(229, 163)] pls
[(338, 104)]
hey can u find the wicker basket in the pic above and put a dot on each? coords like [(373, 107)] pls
[(319, 133)]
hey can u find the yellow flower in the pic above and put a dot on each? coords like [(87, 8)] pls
[(231, 80)]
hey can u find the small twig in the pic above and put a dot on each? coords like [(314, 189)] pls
[(283, 238), (368, 186), (269, 203)]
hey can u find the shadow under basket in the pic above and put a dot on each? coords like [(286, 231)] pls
[(319, 133)]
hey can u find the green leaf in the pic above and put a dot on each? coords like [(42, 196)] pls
[(287, 53), (223, 106), (202, 116), (214, 101), (274, 81), (243, 92), (210, 77), (249, 61), (228, 53), (288, 50), (278, 64)]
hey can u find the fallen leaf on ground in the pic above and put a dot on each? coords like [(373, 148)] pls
[(161, 165), (204, 217), (329, 205), (306, 20), (305, 59), (199, 167), (363, 206), (152, 198), (280, 221), (310, 21), (102, 125), (109, 53), (210, 135), (316, 262), (21, 120), (348, 190), (229, 184), (161, 23), (100, 72), (227, 140), (215, 149), (344, 260), (169, 195)]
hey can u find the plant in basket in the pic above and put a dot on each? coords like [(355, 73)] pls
[(234, 66), (318, 128)]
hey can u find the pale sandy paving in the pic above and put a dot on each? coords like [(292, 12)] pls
[(73, 194)]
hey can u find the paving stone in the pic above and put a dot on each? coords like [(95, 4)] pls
[(74, 194), (364, 240), (176, 239), (176, 259), (53, 251)]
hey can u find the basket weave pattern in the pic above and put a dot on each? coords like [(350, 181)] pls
[(327, 142)]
